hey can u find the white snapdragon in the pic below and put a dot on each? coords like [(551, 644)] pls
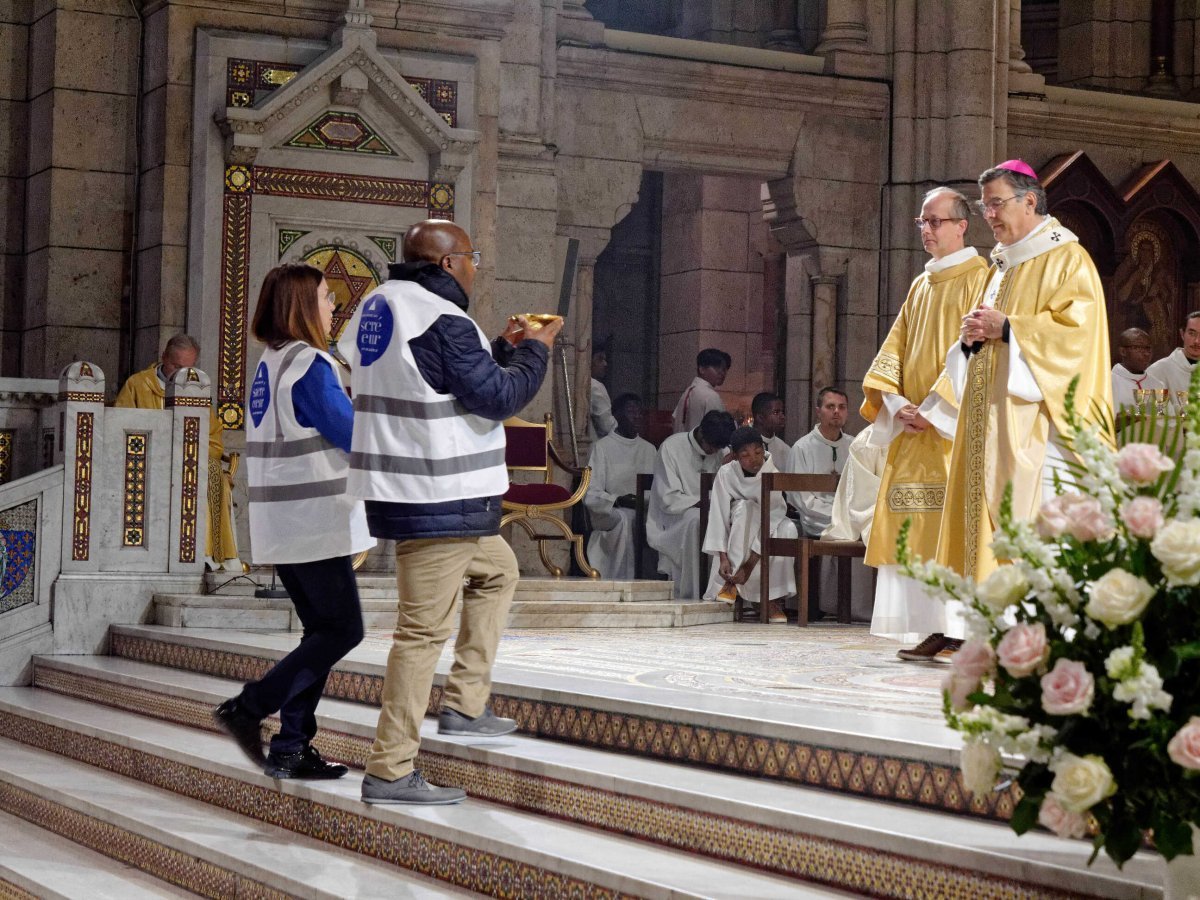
[(1138, 683), (1036, 744)]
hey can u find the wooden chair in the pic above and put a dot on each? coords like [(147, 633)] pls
[(803, 549), (530, 448)]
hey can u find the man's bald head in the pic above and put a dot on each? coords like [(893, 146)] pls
[(1135, 350), (443, 244)]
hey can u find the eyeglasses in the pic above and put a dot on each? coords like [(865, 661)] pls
[(476, 256), (933, 222), (331, 300), (993, 205)]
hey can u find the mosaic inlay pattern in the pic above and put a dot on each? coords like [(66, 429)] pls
[(350, 277), (10, 891), (467, 867), (386, 244), (242, 183), (739, 841), (344, 131), (908, 781), (287, 237), (158, 859), (18, 555), (81, 522), (248, 81), (189, 491), (6, 454), (133, 530)]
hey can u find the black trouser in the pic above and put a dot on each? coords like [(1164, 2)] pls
[(325, 595)]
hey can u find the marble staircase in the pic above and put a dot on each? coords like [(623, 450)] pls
[(229, 601), (605, 791)]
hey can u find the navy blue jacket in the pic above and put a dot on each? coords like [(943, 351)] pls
[(495, 385)]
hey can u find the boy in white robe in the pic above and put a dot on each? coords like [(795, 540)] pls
[(733, 527), (1175, 370), (700, 397), (769, 418), (616, 461), (673, 517)]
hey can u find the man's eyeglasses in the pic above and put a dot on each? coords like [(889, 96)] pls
[(993, 205), (933, 222), (475, 255)]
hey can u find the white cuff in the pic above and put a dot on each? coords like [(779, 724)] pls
[(956, 369), (886, 426), (1021, 383), (941, 415)]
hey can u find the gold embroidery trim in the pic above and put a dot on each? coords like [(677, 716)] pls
[(916, 497), (887, 366)]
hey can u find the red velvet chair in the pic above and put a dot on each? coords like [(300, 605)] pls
[(530, 448)]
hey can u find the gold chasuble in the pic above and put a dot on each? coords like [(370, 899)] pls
[(908, 365), (143, 390), (1012, 406)]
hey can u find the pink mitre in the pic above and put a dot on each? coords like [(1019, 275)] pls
[(1019, 166)]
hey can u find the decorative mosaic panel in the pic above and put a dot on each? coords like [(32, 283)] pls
[(242, 183), (6, 454), (908, 781), (386, 244), (10, 891), (18, 555), (350, 276), (342, 131), (287, 237), (133, 525), (477, 870), (158, 859), (81, 522), (189, 491), (248, 81)]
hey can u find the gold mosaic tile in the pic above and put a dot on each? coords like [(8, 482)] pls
[(782, 852), (10, 891)]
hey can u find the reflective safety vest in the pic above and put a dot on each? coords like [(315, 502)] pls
[(299, 508), (412, 444)]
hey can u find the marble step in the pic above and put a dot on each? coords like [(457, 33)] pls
[(245, 611), (37, 863), (476, 845), (791, 831), (202, 848)]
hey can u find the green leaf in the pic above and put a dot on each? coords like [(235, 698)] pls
[(1172, 837), (1025, 816), (1122, 839)]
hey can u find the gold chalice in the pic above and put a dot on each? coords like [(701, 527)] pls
[(1161, 395), (1181, 400), (537, 321), (1141, 400)]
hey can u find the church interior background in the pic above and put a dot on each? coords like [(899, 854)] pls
[(740, 174)]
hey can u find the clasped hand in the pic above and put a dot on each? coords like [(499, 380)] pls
[(982, 325)]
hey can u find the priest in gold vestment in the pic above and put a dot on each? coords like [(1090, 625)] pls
[(901, 403), (147, 390), (1040, 322)]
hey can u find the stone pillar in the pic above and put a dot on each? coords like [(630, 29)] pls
[(1016, 54), (81, 90), (824, 329), (784, 35), (1162, 49), (844, 40), (14, 113)]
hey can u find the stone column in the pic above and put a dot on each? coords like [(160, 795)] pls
[(1162, 46), (784, 35), (824, 329), (1016, 53)]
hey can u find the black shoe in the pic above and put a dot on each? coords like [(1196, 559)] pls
[(243, 728), (306, 763)]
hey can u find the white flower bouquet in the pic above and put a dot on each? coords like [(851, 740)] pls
[(1083, 655)]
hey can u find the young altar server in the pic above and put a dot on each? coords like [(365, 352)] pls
[(616, 461), (734, 523), (301, 520)]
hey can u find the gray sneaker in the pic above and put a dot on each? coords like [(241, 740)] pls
[(412, 789), (451, 721)]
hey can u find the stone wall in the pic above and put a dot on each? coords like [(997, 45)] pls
[(14, 149)]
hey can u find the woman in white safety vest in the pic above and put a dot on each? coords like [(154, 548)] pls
[(299, 422)]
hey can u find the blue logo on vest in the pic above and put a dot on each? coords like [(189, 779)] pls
[(260, 395), (374, 329)]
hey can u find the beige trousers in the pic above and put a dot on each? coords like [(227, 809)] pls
[(428, 574)]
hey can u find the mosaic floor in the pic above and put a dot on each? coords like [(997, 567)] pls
[(834, 667)]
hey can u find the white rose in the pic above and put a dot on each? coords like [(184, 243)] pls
[(980, 765), (1118, 598), (1003, 588), (1177, 547), (1080, 782)]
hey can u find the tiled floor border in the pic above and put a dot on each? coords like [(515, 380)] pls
[(10, 891), (908, 781), (150, 856), (476, 870), (840, 864)]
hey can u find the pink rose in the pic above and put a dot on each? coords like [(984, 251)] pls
[(1080, 516), (1023, 649), (1184, 747), (1067, 689), (1060, 821), (975, 659), (1142, 463), (1143, 516), (958, 687)]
